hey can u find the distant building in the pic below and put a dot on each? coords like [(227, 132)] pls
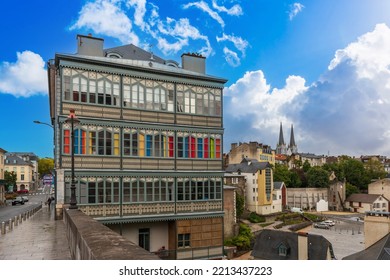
[(380, 187), (2, 181), (252, 150), (361, 203), (24, 169), (285, 245), (33, 159), (281, 147), (259, 188), (279, 199), (230, 217)]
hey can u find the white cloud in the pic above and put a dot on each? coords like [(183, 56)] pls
[(238, 42), (24, 78), (295, 9), (231, 57), (206, 8), (345, 112), (181, 31), (236, 10), (140, 10), (105, 17)]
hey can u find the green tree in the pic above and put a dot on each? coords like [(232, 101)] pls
[(240, 201), (355, 173), (375, 169), (350, 189), (282, 174), (10, 178), (318, 177), (306, 166), (45, 166), (295, 180)]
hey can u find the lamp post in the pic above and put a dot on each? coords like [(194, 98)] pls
[(39, 122), (73, 120)]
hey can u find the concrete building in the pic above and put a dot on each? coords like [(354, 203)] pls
[(362, 203), (24, 170), (279, 196), (148, 148), (381, 187), (230, 218), (252, 150), (259, 187), (2, 181)]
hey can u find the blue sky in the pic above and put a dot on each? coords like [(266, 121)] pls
[(323, 66)]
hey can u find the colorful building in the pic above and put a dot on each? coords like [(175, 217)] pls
[(148, 148)]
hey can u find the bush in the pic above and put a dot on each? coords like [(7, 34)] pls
[(243, 240), (254, 218)]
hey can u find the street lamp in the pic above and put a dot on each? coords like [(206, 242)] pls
[(39, 122), (73, 120)]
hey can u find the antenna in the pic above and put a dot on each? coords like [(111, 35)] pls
[(151, 52)]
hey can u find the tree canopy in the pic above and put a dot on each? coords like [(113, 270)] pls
[(45, 166)]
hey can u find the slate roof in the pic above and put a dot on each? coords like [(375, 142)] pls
[(133, 52), (15, 160), (248, 166), (268, 242), (278, 185), (378, 251), (363, 197)]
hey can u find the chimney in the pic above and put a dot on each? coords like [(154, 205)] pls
[(303, 246), (193, 62), (233, 146), (88, 45)]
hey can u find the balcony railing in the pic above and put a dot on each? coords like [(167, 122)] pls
[(160, 208), (211, 252)]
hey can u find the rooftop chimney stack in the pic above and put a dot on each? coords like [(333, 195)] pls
[(194, 62), (88, 45)]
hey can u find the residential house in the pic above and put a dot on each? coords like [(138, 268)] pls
[(259, 185), (148, 145), (2, 181), (284, 245), (382, 187), (361, 203), (33, 159), (253, 150), (24, 172), (280, 196)]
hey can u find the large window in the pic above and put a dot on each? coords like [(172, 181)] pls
[(199, 188), (198, 145)]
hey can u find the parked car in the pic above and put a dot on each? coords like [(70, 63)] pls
[(25, 198), (321, 225), (18, 200), (329, 223), (22, 191)]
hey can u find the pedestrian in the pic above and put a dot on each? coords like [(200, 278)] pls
[(49, 202)]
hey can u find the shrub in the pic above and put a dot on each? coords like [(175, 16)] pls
[(243, 240), (254, 218)]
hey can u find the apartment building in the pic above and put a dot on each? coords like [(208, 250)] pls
[(23, 169), (147, 148)]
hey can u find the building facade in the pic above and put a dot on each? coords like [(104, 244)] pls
[(2, 181), (362, 203), (148, 148), (24, 170), (259, 188), (381, 186), (252, 150)]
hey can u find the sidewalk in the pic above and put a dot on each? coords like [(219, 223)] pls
[(38, 238)]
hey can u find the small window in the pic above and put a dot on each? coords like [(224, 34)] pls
[(282, 250), (183, 240)]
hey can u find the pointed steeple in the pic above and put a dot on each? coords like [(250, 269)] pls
[(281, 138), (281, 146), (292, 146)]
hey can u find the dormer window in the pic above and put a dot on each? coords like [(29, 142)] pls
[(283, 250), (113, 55)]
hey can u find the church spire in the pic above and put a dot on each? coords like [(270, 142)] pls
[(281, 138), (281, 146), (292, 146)]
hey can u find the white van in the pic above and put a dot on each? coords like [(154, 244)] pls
[(296, 210)]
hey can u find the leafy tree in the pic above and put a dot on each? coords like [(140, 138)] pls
[(375, 169), (336, 168), (282, 174), (318, 177), (306, 166), (350, 189), (10, 178), (302, 177), (239, 204), (355, 173), (45, 166), (295, 180)]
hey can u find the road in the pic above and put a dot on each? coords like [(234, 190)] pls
[(34, 199)]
